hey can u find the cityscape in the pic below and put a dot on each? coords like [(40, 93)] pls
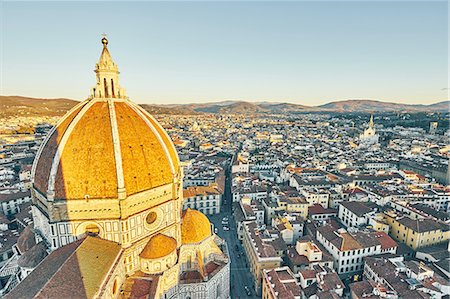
[(116, 197)]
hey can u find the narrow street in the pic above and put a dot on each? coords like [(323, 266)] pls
[(240, 273)]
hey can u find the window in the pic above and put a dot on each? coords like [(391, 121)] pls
[(151, 217), (115, 287)]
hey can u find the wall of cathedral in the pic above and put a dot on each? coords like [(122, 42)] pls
[(217, 286), (126, 231)]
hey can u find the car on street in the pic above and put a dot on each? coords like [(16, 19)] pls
[(247, 289), (226, 228), (225, 218)]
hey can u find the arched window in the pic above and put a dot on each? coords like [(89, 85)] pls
[(106, 88), (112, 88), (189, 262)]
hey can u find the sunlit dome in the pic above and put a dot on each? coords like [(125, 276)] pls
[(195, 227), (105, 147), (158, 246)]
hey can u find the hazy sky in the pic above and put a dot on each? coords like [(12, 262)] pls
[(178, 52)]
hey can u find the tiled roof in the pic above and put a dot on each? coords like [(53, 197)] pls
[(72, 271), (420, 225), (358, 208)]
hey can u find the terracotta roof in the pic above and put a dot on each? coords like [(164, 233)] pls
[(318, 209), (11, 196), (358, 208), (385, 241), (140, 285), (158, 246), (195, 227), (307, 273), (34, 256), (72, 271), (88, 161), (420, 225), (26, 240), (44, 163), (283, 283)]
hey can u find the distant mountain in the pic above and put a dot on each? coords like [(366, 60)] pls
[(16, 105), (373, 106), (24, 106), (281, 108), (233, 108), (172, 109), (441, 106)]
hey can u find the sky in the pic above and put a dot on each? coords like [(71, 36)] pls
[(307, 53)]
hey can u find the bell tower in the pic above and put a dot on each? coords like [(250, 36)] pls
[(107, 73)]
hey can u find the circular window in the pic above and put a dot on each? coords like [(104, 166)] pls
[(151, 217)]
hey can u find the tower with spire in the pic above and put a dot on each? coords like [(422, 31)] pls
[(107, 73), (371, 121), (370, 136)]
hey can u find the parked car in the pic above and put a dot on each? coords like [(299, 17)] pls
[(216, 230)]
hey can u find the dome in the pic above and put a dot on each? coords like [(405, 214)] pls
[(195, 227), (158, 246), (105, 147)]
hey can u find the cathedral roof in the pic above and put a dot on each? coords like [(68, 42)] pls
[(158, 246), (105, 147), (76, 270), (195, 227)]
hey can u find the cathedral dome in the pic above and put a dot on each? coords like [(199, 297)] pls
[(195, 227), (105, 147), (158, 246)]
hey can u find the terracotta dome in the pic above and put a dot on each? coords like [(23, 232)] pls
[(158, 246), (195, 227), (104, 147)]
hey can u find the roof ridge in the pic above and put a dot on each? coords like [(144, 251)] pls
[(62, 264)]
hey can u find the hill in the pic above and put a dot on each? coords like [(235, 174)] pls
[(24, 106), (378, 106), (173, 110)]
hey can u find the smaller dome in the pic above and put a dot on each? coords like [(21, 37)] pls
[(158, 246), (195, 227)]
